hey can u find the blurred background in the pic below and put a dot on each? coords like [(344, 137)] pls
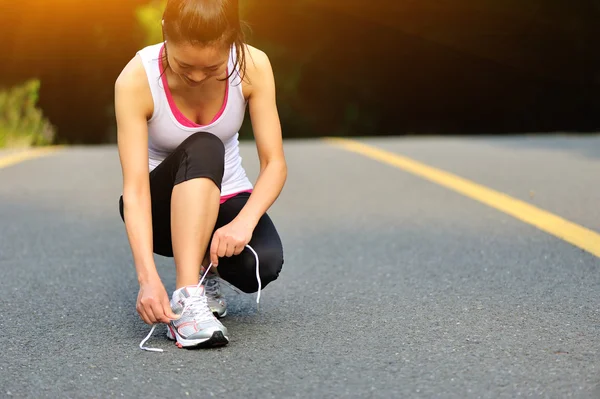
[(343, 68)]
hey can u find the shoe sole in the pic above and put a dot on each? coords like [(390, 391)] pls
[(216, 340), (219, 316)]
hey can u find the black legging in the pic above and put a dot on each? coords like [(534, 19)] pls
[(203, 155)]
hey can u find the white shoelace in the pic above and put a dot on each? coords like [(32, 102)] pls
[(197, 305), (191, 303)]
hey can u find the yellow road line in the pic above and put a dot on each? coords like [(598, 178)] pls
[(25, 155), (579, 236)]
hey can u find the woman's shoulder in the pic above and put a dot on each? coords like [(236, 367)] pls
[(257, 67), (135, 71), (132, 82), (133, 75), (256, 59)]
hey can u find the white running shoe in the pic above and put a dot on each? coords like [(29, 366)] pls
[(197, 327)]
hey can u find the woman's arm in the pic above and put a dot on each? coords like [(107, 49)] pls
[(132, 139), (232, 238), (133, 104), (267, 133)]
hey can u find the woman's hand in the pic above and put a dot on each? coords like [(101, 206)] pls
[(229, 240), (153, 303)]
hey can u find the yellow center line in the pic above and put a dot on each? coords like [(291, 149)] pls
[(579, 236), (25, 155)]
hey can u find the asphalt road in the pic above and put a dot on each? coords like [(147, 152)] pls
[(393, 286)]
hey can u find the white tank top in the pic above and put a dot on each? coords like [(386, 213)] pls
[(167, 127)]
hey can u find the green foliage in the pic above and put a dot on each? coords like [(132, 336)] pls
[(22, 124), (149, 18)]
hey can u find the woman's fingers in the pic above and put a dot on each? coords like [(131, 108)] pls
[(168, 311), (143, 315), (239, 248), (214, 247), (158, 313), (223, 246), (230, 250), (222, 251)]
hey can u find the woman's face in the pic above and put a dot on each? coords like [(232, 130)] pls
[(196, 64)]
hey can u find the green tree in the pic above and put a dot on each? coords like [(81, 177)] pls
[(22, 123), (149, 18)]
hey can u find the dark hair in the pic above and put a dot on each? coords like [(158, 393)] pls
[(205, 23)]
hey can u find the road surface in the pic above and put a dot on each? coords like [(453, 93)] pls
[(394, 285)]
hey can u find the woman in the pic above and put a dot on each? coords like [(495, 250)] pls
[(179, 107)]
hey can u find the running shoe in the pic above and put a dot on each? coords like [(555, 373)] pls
[(197, 327)]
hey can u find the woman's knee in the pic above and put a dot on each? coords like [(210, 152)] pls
[(270, 265), (203, 155)]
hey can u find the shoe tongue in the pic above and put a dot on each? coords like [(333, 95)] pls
[(192, 290)]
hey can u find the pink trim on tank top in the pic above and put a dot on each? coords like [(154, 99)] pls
[(230, 196), (178, 115)]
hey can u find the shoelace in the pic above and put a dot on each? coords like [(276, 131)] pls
[(191, 303), (197, 304)]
